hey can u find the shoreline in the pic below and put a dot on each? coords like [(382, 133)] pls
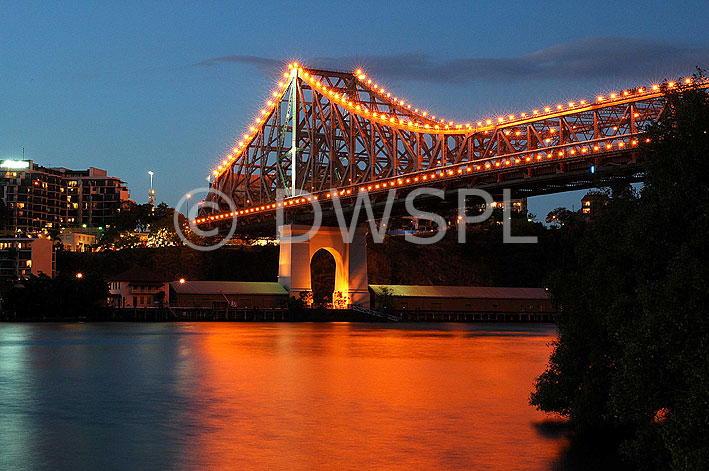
[(285, 316)]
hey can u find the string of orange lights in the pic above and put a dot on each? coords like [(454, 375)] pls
[(447, 172), (488, 164), (359, 108)]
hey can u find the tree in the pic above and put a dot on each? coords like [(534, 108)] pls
[(65, 296), (385, 301), (560, 217), (305, 298), (633, 347), (160, 298)]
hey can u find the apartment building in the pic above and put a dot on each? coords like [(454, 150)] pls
[(46, 197)]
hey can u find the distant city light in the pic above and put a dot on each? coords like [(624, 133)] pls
[(15, 164)]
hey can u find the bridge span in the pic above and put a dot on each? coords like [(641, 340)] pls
[(324, 132)]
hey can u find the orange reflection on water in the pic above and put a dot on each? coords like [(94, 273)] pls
[(354, 396)]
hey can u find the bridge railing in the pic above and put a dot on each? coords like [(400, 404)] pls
[(370, 312)]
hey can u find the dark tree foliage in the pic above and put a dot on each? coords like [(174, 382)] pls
[(63, 297), (386, 302), (483, 260), (228, 263), (560, 217), (633, 348)]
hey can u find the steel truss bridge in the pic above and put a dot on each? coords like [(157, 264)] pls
[(325, 132)]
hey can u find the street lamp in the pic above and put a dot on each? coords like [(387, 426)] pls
[(79, 275), (182, 281), (151, 192)]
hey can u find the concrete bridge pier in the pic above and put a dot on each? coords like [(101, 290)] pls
[(350, 261)]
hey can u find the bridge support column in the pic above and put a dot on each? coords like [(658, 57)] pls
[(350, 261)]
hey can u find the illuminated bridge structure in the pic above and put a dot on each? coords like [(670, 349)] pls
[(326, 131), (326, 135)]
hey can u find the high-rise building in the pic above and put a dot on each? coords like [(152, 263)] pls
[(20, 258), (40, 197)]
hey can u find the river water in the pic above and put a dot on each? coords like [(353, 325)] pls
[(272, 396)]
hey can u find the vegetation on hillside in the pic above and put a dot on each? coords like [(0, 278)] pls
[(229, 263)]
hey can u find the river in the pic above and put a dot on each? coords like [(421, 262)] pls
[(290, 396)]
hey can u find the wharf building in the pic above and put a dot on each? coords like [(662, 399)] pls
[(40, 197), (408, 302), (462, 299), (138, 288)]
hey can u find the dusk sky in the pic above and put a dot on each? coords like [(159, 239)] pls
[(138, 86)]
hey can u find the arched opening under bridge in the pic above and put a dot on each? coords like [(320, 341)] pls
[(323, 271), (350, 285)]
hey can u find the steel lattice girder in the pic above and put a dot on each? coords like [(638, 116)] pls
[(345, 133)]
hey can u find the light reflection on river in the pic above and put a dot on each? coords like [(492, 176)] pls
[(273, 396)]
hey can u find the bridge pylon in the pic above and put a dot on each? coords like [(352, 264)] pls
[(296, 253)]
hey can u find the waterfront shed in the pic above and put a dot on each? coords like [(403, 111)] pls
[(482, 299), (219, 294)]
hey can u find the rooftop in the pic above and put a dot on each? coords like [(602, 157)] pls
[(228, 287), (477, 292)]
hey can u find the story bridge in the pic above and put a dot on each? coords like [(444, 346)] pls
[(326, 131), (326, 135)]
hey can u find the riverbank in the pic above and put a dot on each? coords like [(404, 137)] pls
[(177, 314)]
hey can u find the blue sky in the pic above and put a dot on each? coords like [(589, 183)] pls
[(135, 86)]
